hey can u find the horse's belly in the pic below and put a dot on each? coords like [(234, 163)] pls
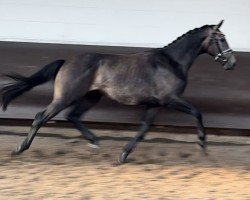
[(129, 90), (125, 95), (134, 94)]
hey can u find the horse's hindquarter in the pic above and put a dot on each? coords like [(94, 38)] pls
[(132, 79), (75, 77)]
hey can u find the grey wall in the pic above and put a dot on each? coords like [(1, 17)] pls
[(143, 23)]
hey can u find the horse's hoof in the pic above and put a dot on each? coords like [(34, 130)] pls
[(202, 144), (93, 145), (122, 157), (16, 152), (203, 147)]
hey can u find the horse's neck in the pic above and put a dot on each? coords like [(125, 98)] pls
[(185, 51)]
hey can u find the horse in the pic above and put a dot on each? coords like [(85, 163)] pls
[(153, 78)]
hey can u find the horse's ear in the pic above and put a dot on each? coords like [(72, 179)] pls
[(221, 22), (216, 27)]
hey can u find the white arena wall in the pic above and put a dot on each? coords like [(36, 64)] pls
[(133, 23)]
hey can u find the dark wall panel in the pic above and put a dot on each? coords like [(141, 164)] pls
[(222, 96)]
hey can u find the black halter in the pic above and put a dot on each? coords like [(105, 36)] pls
[(220, 57)]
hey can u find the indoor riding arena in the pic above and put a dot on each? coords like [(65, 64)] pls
[(187, 151)]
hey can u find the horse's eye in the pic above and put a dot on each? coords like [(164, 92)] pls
[(222, 40)]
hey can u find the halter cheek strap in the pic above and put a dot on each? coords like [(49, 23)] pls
[(220, 57)]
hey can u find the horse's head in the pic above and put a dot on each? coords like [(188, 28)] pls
[(217, 46)]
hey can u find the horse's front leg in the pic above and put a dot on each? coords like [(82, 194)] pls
[(183, 106), (145, 125)]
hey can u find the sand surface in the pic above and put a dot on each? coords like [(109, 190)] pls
[(60, 165)]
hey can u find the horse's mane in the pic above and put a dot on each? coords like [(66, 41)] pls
[(189, 33)]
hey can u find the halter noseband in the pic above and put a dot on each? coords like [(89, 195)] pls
[(221, 55)]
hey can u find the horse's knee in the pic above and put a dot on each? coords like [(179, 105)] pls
[(197, 114), (38, 119), (71, 118)]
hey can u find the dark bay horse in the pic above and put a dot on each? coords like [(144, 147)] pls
[(153, 78)]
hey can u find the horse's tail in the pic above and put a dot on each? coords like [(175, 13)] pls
[(23, 84)]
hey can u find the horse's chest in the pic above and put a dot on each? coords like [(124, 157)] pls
[(166, 85)]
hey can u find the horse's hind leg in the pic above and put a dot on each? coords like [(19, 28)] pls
[(145, 125), (183, 106), (88, 101), (41, 118)]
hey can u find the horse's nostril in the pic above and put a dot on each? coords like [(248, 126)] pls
[(232, 65)]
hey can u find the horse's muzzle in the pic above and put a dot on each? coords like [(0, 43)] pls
[(230, 64)]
